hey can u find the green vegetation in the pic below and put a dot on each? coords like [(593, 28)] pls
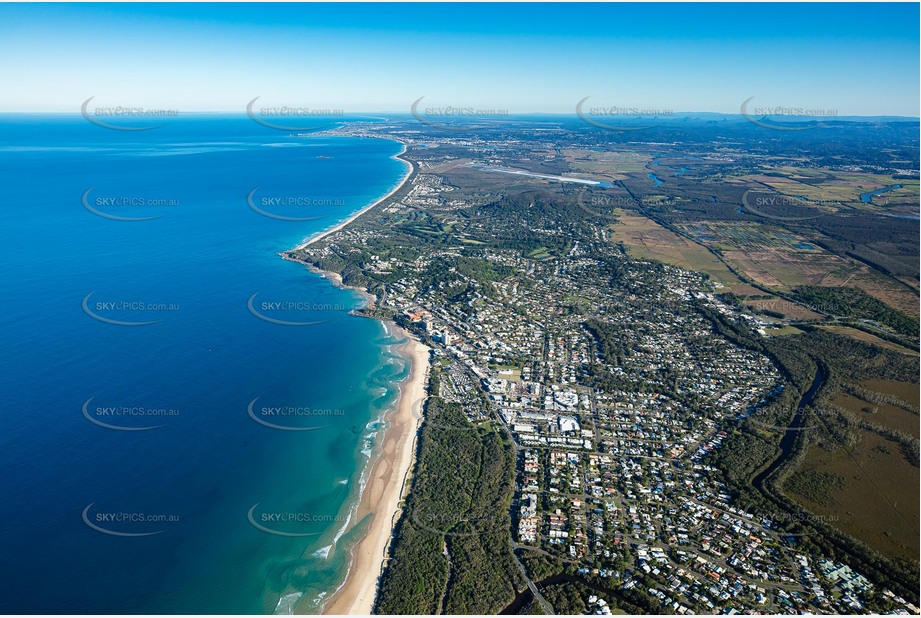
[(879, 398), (751, 446), (452, 550), (565, 599), (559, 257), (483, 270), (539, 565), (807, 481), (856, 304)]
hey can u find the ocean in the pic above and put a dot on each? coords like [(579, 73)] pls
[(186, 415)]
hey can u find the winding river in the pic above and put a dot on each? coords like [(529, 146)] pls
[(789, 437)]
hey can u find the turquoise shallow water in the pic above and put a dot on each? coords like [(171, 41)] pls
[(155, 513)]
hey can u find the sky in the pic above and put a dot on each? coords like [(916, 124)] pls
[(852, 59)]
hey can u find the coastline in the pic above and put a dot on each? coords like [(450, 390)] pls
[(385, 488), (391, 463), (410, 168)]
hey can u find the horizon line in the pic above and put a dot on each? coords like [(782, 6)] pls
[(349, 115)]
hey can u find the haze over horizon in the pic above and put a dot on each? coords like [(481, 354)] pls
[(534, 59), (441, 309)]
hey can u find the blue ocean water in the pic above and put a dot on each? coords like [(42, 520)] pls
[(146, 381)]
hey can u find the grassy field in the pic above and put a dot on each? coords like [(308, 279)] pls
[(786, 308), (882, 414), (864, 336), (827, 191), (770, 256), (906, 391), (785, 270), (747, 235), (843, 188), (744, 289), (878, 502), (901, 200), (884, 289), (646, 239), (508, 372), (606, 165), (877, 497), (783, 331), (915, 285)]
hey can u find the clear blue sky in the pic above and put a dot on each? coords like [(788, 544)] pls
[(857, 59)]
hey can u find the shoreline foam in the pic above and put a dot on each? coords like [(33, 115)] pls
[(409, 170), (385, 489), (384, 478)]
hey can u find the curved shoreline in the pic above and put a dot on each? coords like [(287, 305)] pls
[(410, 168), (389, 466), (385, 489)]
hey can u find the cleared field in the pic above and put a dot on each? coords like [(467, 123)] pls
[(739, 235), (806, 173), (878, 286), (786, 308), (646, 239), (864, 183), (744, 289), (828, 191), (915, 285), (773, 256), (787, 269), (844, 188), (863, 336), (607, 165), (906, 391), (783, 331), (845, 185), (882, 414), (878, 503)]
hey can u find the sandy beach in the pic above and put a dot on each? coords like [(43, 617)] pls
[(409, 170), (392, 461), (385, 489)]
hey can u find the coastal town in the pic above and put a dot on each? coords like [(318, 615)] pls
[(612, 382), (461, 309)]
